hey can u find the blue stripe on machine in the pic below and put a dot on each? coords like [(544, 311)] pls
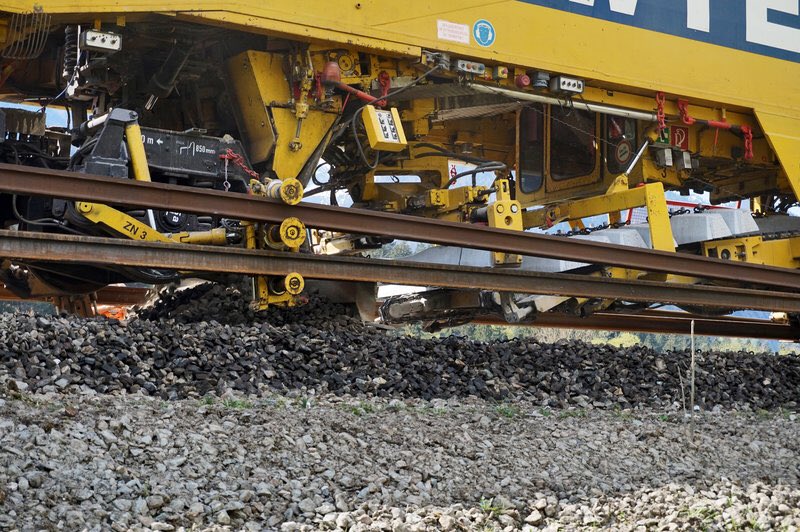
[(751, 25)]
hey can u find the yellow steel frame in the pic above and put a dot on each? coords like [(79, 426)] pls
[(525, 37), (133, 138), (711, 76), (782, 253), (783, 134), (132, 228), (289, 134), (618, 199), (505, 213), (623, 81)]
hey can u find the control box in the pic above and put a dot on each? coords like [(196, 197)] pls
[(101, 41), (384, 130), (470, 67), (566, 84)]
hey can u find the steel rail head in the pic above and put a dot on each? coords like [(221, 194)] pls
[(668, 323), (663, 325), (71, 185), (25, 246)]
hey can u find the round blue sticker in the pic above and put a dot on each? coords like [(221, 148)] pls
[(483, 31)]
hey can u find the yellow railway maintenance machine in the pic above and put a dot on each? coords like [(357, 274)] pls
[(579, 108)]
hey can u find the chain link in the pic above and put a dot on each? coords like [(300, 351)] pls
[(660, 116), (226, 184), (590, 230), (747, 131), (238, 160)]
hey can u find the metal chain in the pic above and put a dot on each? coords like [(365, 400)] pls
[(660, 116), (679, 212), (226, 184), (589, 230), (239, 161)]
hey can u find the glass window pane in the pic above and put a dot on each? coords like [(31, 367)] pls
[(621, 137), (531, 148), (573, 146)]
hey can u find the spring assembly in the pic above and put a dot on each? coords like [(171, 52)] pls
[(70, 52)]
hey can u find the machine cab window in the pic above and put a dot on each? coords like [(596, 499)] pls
[(531, 148), (621, 143), (573, 144), (558, 152)]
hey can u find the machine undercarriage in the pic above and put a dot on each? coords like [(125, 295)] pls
[(438, 135)]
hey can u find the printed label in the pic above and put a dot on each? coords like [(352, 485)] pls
[(679, 136), (623, 152), (483, 31), (452, 31)]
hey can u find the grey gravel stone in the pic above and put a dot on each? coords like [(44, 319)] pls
[(186, 348), (325, 508), (195, 509), (155, 502), (122, 505), (223, 518), (330, 424), (534, 518), (307, 505)]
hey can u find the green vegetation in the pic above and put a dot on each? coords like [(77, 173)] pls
[(488, 507), (304, 402), (622, 414), (506, 410), (360, 409), (237, 404), (577, 412), (704, 518)]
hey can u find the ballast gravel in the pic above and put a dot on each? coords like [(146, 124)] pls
[(328, 352), (202, 415), (333, 463)]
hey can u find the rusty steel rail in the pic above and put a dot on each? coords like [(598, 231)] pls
[(27, 246), (122, 296), (76, 186), (662, 322)]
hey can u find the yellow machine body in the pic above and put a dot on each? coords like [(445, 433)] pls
[(580, 108)]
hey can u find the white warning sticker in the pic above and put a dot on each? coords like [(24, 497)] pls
[(452, 31)]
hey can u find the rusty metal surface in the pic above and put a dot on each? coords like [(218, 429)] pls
[(109, 295), (663, 323), (74, 249), (651, 322), (35, 181), (122, 296)]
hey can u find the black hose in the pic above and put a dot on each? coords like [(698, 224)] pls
[(42, 222)]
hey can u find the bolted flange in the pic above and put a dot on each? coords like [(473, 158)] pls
[(292, 232), (294, 283), (291, 191)]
